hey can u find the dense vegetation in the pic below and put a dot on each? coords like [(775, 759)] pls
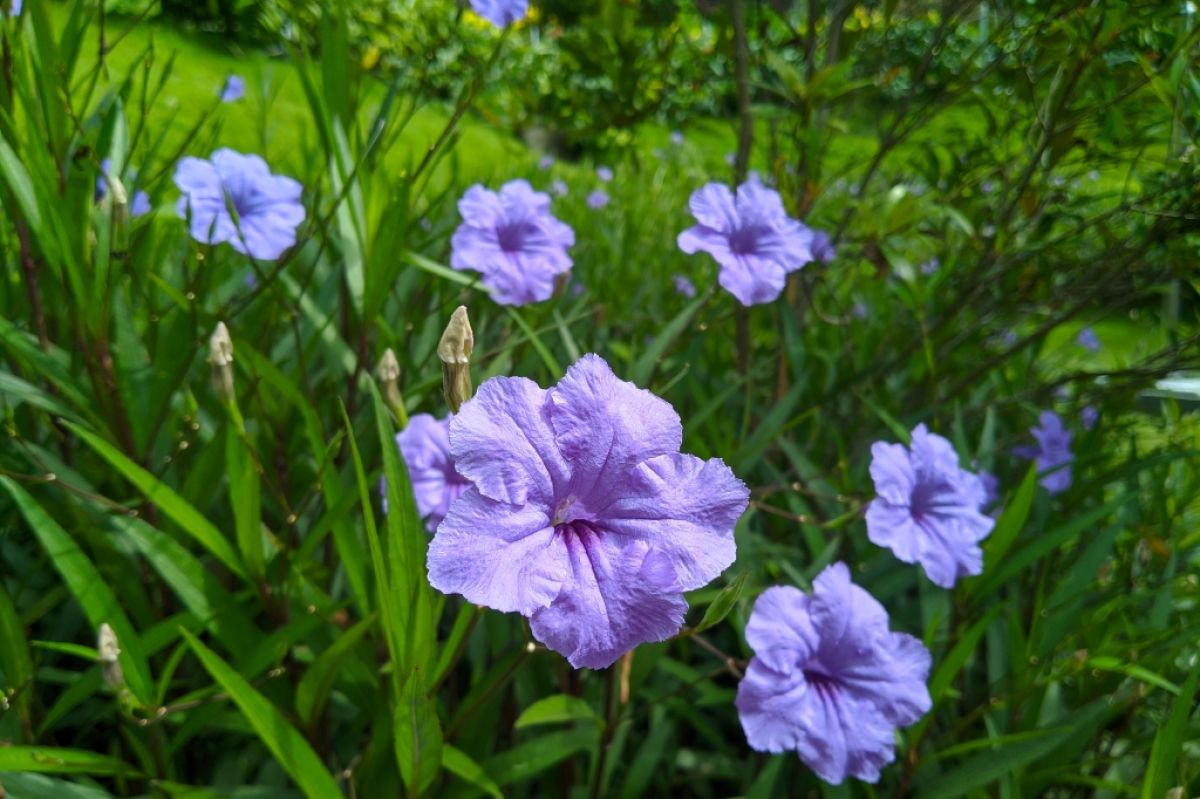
[(199, 430)]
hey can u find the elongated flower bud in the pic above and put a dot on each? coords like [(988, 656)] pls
[(455, 350), (108, 651), (220, 355), (388, 372)]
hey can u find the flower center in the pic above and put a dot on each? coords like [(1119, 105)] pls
[(745, 240), (511, 236), (561, 511)]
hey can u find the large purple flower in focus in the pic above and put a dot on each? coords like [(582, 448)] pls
[(750, 236), (583, 514), (828, 679), (501, 13), (425, 447), (928, 510), (1052, 453), (513, 241), (234, 198)]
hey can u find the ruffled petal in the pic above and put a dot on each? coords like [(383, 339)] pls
[(683, 507), (780, 630), (620, 595), (714, 207), (751, 279), (503, 556), (502, 441)]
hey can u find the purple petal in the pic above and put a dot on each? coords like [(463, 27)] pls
[(780, 630)]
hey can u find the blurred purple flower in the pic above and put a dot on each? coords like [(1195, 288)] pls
[(822, 247), (545, 162), (987, 187), (730, 158), (597, 199), (1009, 337), (828, 679), (234, 198), (1093, 175), (425, 447), (676, 137), (140, 204), (928, 510), (1088, 339), (234, 89), (859, 310), (931, 266), (513, 241), (13, 6), (583, 515), (501, 13), (1088, 417), (1053, 450), (604, 174), (251, 281), (750, 236), (559, 187), (685, 286), (577, 288), (991, 487)]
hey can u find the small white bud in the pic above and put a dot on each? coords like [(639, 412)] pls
[(454, 350)]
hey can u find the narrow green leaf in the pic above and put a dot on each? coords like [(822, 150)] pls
[(89, 588), (57, 760), (720, 607), (539, 345), (643, 368), (1168, 742), (288, 746), (418, 736), (39, 786), (313, 690), (245, 495), (1012, 519), (14, 656), (462, 766), (531, 758), (555, 709), (175, 506), (445, 272)]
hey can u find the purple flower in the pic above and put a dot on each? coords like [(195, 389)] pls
[(1088, 417), (931, 266), (13, 6), (676, 137), (987, 187), (822, 247), (1053, 451), (991, 488), (545, 162), (685, 286), (730, 158), (425, 447), (501, 13), (829, 680), (1088, 339), (234, 89), (138, 206), (1009, 337), (266, 208), (583, 515), (859, 310), (559, 187), (928, 510), (597, 199), (750, 236), (513, 241), (604, 174)]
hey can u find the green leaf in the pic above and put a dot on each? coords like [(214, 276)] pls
[(39, 786), (245, 495), (539, 345), (173, 505), (289, 747), (1012, 519), (89, 588), (556, 709), (643, 368), (462, 766), (418, 735), (14, 656), (15, 391), (313, 690), (531, 758), (724, 603), (56, 760), (1168, 742)]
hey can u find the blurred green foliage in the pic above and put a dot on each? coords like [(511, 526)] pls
[(277, 633)]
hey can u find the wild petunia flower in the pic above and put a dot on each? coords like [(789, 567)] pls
[(677, 137), (425, 447), (1088, 417), (928, 510), (597, 199), (828, 679), (559, 187), (513, 241), (1052, 453), (583, 515), (684, 286), (604, 174), (1088, 339), (234, 198), (931, 266), (822, 247), (546, 162), (501, 13), (234, 89), (750, 236)]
